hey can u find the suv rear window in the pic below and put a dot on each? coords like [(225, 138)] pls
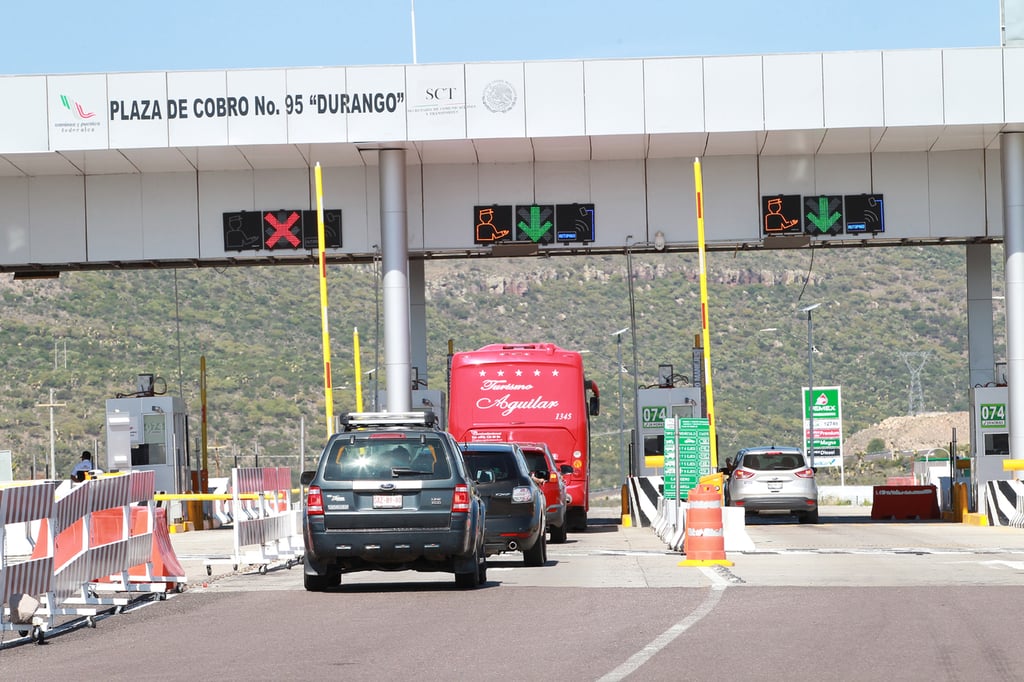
[(772, 461), (501, 464), (535, 460), (368, 459)]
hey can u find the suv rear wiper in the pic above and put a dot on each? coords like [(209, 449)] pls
[(407, 471)]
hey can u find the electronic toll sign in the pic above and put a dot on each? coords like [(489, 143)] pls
[(781, 214), (493, 224), (574, 222), (280, 230), (822, 215), (534, 223), (864, 214)]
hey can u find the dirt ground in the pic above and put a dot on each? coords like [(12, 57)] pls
[(919, 432)]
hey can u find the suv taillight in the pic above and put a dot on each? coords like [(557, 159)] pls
[(805, 473), (742, 473), (314, 501), (522, 494), (460, 498)]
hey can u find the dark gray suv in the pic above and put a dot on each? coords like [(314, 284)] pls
[(515, 504), (391, 492)]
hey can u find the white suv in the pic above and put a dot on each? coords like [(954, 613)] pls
[(772, 478)]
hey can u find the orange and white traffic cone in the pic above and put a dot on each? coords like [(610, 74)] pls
[(704, 542)]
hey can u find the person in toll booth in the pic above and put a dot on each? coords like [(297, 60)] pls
[(83, 467)]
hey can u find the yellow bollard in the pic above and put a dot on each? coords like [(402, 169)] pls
[(626, 519), (717, 480)]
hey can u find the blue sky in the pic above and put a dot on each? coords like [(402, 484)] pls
[(64, 36)]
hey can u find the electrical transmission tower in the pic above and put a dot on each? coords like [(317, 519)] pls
[(915, 363)]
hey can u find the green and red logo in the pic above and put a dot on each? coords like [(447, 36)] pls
[(76, 107)]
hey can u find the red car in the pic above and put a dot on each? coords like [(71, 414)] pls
[(539, 458)]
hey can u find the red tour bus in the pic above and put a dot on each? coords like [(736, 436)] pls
[(528, 392)]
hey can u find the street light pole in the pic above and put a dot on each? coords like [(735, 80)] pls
[(622, 418), (809, 448)]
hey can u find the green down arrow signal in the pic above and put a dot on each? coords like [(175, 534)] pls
[(539, 224), (824, 220)]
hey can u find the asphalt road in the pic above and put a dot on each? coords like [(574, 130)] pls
[(847, 599)]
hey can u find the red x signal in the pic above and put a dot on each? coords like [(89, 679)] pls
[(282, 229)]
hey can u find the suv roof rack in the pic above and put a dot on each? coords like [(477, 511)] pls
[(351, 421)]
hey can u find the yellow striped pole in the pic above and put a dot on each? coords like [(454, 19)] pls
[(328, 390), (705, 333), (358, 369)]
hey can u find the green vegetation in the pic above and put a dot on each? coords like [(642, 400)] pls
[(876, 445), (88, 334), (861, 470)]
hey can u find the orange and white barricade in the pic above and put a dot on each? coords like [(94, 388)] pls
[(151, 564), (96, 547), (25, 580), (265, 524), (101, 536)]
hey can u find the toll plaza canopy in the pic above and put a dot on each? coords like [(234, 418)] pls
[(216, 167)]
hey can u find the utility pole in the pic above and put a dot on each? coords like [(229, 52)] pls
[(915, 363), (52, 473)]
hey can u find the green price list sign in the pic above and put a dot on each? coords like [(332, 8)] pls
[(690, 440), (671, 445)]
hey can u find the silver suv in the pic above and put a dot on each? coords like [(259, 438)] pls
[(773, 478), (391, 492)]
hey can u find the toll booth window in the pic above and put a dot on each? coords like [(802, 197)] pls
[(145, 454), (155, 428), (140, 455), (654, 446), (997, 443), (685, 410)]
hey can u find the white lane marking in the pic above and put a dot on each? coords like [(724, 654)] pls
[(1016, 565), (666, 638)]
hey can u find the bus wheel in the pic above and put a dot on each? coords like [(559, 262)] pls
[(577, 519)]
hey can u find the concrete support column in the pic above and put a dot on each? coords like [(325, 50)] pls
[(418, 318), (980, 338), (394, 229), (1011, 157)]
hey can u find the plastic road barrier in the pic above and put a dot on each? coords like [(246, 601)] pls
[(25, 505), (1002, 502), (905, 502), (643, 499), (265, 526), (94, 544)]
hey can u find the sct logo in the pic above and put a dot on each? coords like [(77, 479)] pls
[(440, 94)]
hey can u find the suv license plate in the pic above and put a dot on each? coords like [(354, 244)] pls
[(387, 501), (771, 486)]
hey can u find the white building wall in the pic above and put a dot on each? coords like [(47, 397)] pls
[(918, 126), (129, 217)]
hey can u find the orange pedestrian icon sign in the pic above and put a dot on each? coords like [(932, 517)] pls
[(492, 224), (781, 214)]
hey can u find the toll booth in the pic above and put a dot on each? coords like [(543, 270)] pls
[(150, 433), (990, 434), (654, 405)]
